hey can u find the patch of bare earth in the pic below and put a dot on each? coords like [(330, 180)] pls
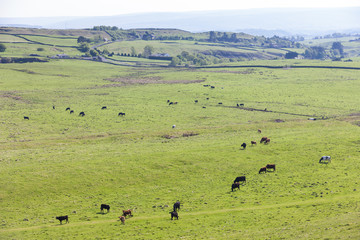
[(353, 118), (186, 134), (11, 95), (148, 80)]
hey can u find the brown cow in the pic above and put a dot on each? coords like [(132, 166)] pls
[(270, 166), (259, 130), (122, 219), (263, 139), (263, 169), (253, 142), (267, 141), (127, 212)]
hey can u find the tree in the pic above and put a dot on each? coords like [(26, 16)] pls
[(315, 53), (148, 50), (133, 51), (2, 47), (291, 55), (212, 37), (82, 39), (174, 62), (94, 53), (84, 47), (338, 46)]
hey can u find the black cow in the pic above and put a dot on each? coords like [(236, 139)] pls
[(81, 114), (104, 206), (67, 109), (176, 206), (26, 118), (235, 185), (240, 179), (196, 101), (174, 215), (121, 114), (53, 107), (220, 103), (212, 87), (263, 169), (104, 107), (241, 104), (270, 166), (243, 145), (62, 218), (71, 111)]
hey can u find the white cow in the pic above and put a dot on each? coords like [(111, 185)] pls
[(325, 158)]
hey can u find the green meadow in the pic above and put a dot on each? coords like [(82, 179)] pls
[(57, 163)]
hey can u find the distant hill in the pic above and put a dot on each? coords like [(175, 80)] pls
[(265, 22)]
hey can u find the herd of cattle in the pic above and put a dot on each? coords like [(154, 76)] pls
[(176, 207), (173, 214)]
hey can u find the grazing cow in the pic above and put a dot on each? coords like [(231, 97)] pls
[(122, 219), (241, 104), (104, 206), (71, 111), (67, 109), (263, 139), (220, 103), (175, 103), (174, 215), (253, 143), (104, 107), (173, 126), (270, 166), (121, 114), (81, 114), (196, 101), (263, 169), (127, 212), (259, 130), (235, 185), (26, 118), (267, 141), (53, 107), (240, 179), (212, 86), (243, 145), (207, 98), (204, 107), (325, 159), (176, 206), (237, 105), (171, 103), (62, 218), (168, 100)]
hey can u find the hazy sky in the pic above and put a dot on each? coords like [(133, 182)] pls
[(46, 8)]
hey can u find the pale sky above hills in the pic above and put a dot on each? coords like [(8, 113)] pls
[(52, 8)]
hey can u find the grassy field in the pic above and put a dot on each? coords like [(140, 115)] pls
[(58, 163)]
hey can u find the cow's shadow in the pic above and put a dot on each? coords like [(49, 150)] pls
[(102, 213)]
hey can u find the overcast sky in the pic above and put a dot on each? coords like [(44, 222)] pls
[(47, 8)]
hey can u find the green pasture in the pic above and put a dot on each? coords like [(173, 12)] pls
[(57, 163), (25, 49), (174, 48), (11, 38), (53, 40)]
